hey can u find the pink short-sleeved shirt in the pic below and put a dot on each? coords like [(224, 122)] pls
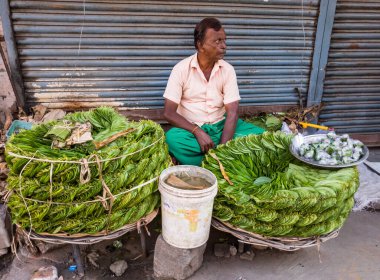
[(201, 101)]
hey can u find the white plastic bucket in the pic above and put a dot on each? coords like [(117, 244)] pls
[(186, 214)]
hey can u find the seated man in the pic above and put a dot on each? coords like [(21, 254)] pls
[(202, 98)]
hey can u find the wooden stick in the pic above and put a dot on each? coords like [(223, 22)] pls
[(101, 144)]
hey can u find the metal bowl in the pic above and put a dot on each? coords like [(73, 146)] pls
[(317, 137)]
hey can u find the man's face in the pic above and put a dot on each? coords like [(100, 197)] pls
[(214, 44)]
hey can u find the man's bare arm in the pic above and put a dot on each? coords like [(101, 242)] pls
[(175, 119), (231, 120)]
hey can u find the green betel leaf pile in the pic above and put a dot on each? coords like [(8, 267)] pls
[(273, 194), (85, 187)]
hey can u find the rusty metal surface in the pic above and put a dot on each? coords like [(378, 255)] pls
[(76, 56), (352, 86), (82, 54), (371, 140)]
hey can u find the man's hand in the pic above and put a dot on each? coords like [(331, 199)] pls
[(175, 119), (204, 140)]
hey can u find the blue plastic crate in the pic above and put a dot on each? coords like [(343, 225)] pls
[(16, 126)]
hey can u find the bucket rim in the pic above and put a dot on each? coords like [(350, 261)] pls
[(166, 172)]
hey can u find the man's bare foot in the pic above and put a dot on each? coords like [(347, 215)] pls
[(175, 161)]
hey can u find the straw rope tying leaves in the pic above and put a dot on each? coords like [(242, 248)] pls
[(89, 187)]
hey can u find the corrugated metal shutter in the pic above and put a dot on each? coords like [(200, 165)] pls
[(351, 94), (78, 54)]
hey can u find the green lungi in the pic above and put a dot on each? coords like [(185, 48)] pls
[(185, 148)]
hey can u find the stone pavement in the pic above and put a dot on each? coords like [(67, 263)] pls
[(353, 255)]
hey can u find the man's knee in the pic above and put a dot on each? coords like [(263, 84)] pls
[(245, 128), (183, 146), (175, 136)]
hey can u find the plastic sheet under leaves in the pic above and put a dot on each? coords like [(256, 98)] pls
[(368, 194)]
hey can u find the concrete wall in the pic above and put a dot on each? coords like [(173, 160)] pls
[(7, 95)]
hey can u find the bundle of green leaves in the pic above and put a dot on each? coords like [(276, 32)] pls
[(273, 194), (49, 194), (270, 122)]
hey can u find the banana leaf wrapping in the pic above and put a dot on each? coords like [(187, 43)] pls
[(92, 187), (273, 194)]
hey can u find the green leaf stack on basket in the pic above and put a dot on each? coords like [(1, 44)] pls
[(85, 189), (275, 195)]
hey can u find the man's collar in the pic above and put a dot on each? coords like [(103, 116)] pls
[(195, 64), (194, 61)]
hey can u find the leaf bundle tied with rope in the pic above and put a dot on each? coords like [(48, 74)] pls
[(89, 187), (263, 189)]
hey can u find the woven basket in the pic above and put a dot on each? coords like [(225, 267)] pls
[(85, 239), (280, 243)]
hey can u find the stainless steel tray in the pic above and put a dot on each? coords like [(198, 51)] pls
[(317, 137)]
